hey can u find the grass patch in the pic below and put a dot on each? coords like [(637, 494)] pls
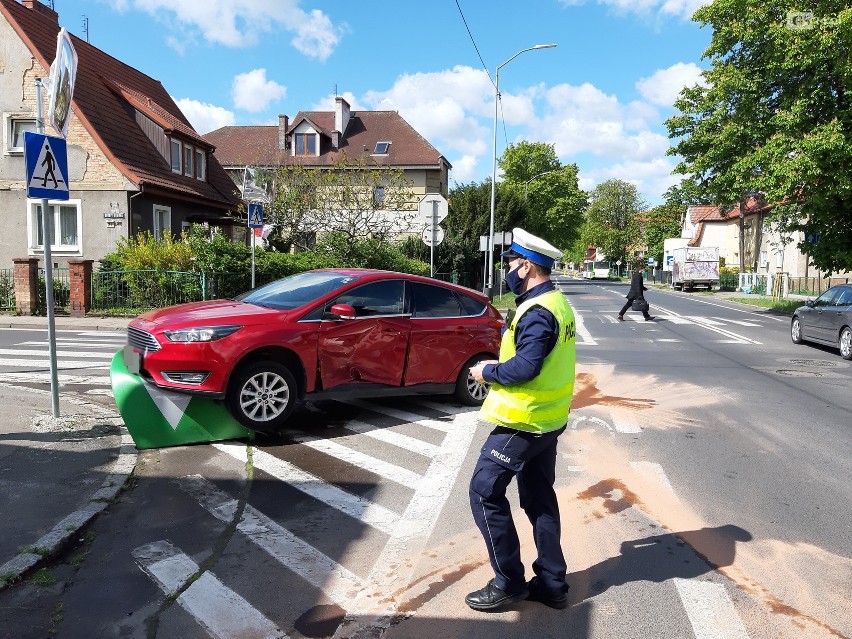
[(506, 300), (781, 306), (43, 578), (8, 578), (35, 550), (56, 618)]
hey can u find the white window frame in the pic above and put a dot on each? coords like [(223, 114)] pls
[(34, 248), (159, 231), (200, 164), (376, 148), (172, 143), (8, 131), (189, 167)]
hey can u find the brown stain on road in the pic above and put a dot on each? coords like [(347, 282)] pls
[(587, 393)]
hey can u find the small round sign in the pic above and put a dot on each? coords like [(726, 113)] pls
[(427, 235)]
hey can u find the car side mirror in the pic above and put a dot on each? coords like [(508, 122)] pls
[(343, 311), (810, 303)]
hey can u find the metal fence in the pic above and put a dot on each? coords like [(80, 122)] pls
[(133, 292), (61, 289), (814, 286), (7, 289)]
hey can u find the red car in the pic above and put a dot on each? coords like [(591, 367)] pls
[(320, 334)]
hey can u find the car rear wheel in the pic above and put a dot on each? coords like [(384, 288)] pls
[(262, 395), (846, 343), (796, 330), (468, 390)]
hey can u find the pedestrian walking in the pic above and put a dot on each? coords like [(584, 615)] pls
[(531, 388), (636, 292)]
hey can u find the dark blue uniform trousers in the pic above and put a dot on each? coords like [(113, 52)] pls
[(509, 453)]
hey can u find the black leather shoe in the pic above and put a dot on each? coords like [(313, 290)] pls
[(649, 318), (621, 318), (491, 597), (552, 598)]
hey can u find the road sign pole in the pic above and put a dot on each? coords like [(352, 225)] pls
[(432, 244), (48, 272), (252, 256)]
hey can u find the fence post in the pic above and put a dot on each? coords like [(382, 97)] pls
[(26, 284), (80, 281)]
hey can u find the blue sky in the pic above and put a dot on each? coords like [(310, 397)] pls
[(600, 96)]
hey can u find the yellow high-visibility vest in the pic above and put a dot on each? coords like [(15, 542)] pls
[(542, 403)]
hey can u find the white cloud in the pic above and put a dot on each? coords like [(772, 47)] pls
[(240, 23), (464, 169), (205, 117), (252, 92), (651, 177), (663, 87), (682, 8)]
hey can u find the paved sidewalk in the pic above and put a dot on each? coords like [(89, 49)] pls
[(55, 474)]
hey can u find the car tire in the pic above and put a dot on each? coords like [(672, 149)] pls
[(845, 343), (468, 391), (796, 330), (262, 395)]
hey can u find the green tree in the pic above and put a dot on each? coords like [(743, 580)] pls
[(549, 189), (775, 117), (612, 219)]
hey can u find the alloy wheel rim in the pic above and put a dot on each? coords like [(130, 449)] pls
[(796, 329), (264, 397), (846, 343), (477, 390)]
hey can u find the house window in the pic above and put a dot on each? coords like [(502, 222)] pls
[(381, 148), (188, 159), (200, 165), (64, 224), (15, 129), (162, 221), (379, 197), (306, 144), (176, 156)]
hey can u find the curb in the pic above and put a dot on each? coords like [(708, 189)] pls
[(49, 545)]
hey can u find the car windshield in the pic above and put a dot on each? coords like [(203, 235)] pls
[(296, 290)]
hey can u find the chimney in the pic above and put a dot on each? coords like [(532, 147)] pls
[(42, 9), (335, 139), (283, 125), (341, 115)]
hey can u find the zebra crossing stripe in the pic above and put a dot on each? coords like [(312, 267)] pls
[(44, 378), (372, 514), (393, 438), (217, 608), (411, 418), (322, 572), (372, 611), (733, 321), (77, 342), (447, 409), (378, 467), (30, 353), (45, 363), (710, 610)]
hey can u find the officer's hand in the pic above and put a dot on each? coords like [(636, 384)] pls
[(476, 371)]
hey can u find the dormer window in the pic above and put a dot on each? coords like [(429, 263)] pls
[(177, 156), (306, 143), (381, 148)]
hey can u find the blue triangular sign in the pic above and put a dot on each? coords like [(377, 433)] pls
[(47, 166)]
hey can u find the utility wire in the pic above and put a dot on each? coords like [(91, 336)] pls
[(474, 44)]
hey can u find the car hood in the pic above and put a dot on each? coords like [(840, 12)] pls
[(210, 313)]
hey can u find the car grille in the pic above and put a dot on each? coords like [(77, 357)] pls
[(141, 340)]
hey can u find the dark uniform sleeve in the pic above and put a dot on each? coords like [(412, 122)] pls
[(535, 337)]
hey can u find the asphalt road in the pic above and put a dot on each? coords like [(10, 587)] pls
[(703, 484)]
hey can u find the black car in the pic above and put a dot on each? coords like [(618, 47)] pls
[(827, 320)]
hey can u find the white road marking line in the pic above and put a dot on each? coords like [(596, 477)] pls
[(361, 509), (102, 333), (322, 572), (44, 378), (444, 408), (75, 342), (667, 339), (740, 322), (700, 321), (582, 331), (653, 471), (411, 418), (707, 321), (44, 352), (393, 569), (217, 608), (100, 391), (392, 437), (710, 610), (378, 467), (740, 310), (623, 426)]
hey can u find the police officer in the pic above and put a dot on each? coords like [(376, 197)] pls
[(531, 389)]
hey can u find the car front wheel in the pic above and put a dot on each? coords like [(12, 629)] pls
[(468, 390), (796, 331), (846, 343), (262, 395)]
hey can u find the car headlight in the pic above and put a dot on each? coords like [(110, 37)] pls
[(200, 334)]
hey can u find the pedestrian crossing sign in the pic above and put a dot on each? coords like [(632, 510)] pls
[(255, 216), (47, 166)]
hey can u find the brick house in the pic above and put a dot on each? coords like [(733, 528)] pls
[(320, 139), (135, 163)]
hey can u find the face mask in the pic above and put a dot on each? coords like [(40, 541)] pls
[(515, 282)]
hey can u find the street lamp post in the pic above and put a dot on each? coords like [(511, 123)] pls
[(489, 289), (537, 175)]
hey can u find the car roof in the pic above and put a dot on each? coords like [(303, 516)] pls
[(368, 274)]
